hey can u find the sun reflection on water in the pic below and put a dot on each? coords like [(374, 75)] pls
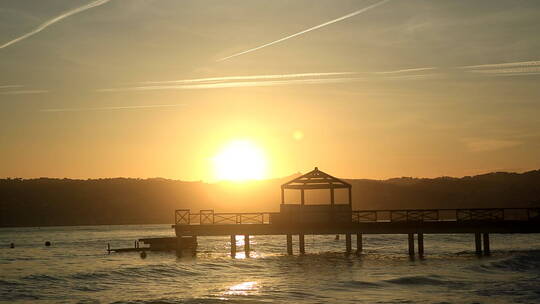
[(243, 289)]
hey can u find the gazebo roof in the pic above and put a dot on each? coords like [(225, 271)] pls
[(315, 179)]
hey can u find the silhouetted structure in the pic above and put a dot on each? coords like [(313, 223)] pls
[(331, 219)]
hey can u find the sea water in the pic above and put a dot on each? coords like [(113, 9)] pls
[(77, 269)]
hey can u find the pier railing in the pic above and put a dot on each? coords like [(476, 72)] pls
[(208, 217)]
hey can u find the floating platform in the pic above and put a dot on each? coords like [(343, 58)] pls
[(161, 244)]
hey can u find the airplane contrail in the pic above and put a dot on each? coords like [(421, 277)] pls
[(111, 108), (54, 20), (250, 77), (11, 86), (365, 9)]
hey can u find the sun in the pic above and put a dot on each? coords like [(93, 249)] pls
[(240, 160)]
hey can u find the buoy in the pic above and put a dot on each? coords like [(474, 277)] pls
[(47, 243), (12, 245), (143, 254)]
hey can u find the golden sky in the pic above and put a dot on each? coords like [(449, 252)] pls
[(361, 89)]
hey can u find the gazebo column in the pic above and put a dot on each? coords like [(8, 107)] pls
[(282, 196), (302, 200), (301, 243), (350, 196), (332, 200)]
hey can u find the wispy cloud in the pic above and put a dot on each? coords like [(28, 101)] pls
[(360, 11), (11, 86), (407, 71), (420, 73), (485, 144), (234, 84), (266, 80), (22, 92), (54, 20), (505, 69), (111, 108), (503, 65), (250, 77)]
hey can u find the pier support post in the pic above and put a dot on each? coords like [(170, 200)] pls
[(359, 243), (233, 246), (478, 243), (301, 243), (421, 244), (179, 246), (411, 244), (348, 246), (246, 244), (289, 244), (487, 250)]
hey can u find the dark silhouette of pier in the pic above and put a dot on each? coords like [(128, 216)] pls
[(336, 218)]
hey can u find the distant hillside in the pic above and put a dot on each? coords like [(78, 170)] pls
[(46, 202)]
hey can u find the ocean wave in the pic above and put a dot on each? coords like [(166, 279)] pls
[(153, 271), (424, 280), (523, 262), (42, 278)]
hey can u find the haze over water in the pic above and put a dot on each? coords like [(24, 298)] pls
[(76, 269)]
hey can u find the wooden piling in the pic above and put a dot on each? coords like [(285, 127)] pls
[(289, 244), (478, 243), (411, 244), (179, 246), (233, 246), (246, 244), (348, 247), (421, 244), (487, 250), (359, 244), (301, 243)]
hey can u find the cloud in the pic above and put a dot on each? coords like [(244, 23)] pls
[(234, 84), (365, 9), (265, 80), (407, 70), (23, 92), (503, 65), (251, 77), (485, 145), (505, 69), (110, 108), (54, 20), (12, 86)]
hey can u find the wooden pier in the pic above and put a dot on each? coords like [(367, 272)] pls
[(333, 219)]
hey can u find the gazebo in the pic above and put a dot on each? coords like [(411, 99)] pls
[(300, 212), (314, 180)]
